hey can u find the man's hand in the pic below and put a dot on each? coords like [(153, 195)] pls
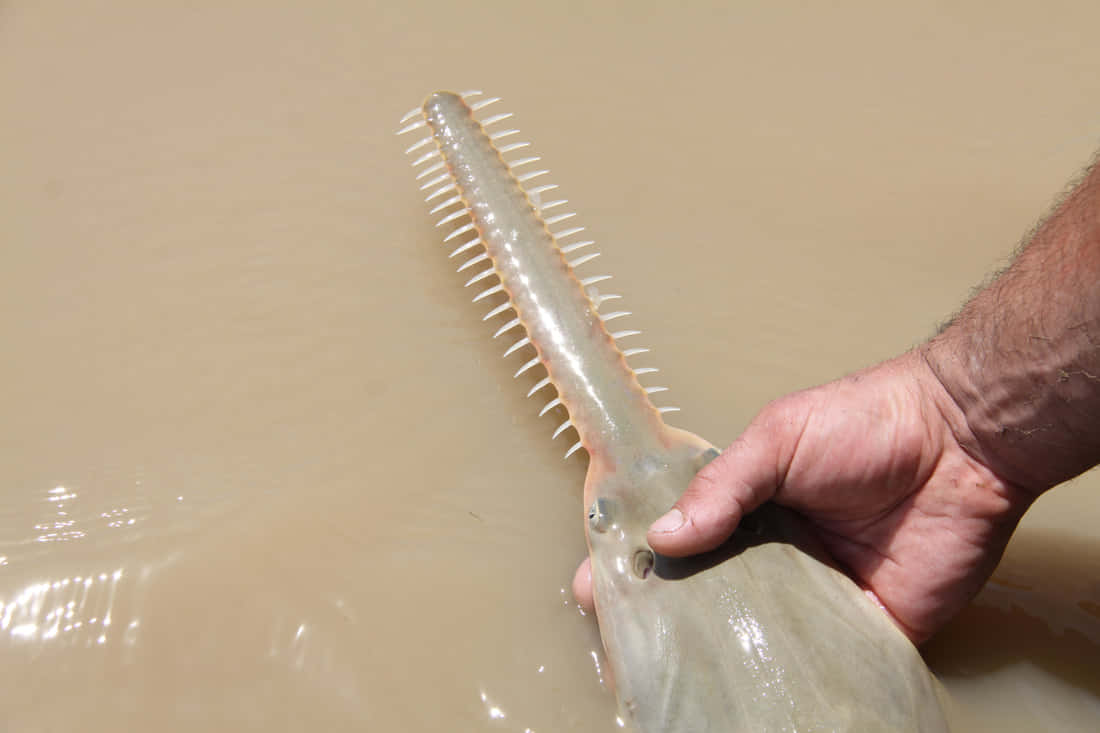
[(874, 462), (915, 472)]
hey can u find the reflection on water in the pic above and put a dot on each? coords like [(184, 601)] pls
[(68, 611), (61, 528), (74, 607), (60, 517)]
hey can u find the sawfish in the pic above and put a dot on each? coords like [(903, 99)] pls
[(763, 634)]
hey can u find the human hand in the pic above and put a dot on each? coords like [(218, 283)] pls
[(875, 462)]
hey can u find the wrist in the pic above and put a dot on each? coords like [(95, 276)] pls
[(985, 472), (1021, 360), (989, 414), (935, 380)]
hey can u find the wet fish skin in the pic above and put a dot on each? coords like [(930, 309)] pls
[(761, 634)]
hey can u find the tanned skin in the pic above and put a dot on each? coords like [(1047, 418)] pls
[(915, 472)]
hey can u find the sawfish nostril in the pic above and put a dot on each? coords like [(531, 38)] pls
[(643, 563)]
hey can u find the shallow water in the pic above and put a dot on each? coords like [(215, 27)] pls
[(263, 464)]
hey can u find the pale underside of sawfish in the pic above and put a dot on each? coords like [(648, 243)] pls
[(761, 634)]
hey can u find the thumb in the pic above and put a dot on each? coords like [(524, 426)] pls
[(740, 479)]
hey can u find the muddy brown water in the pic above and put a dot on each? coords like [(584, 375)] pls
[(262, 464)]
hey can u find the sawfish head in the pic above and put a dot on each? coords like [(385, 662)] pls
[(625, 493)]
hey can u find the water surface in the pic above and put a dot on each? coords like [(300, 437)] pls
[(262, 464)]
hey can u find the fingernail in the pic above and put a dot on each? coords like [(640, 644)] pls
[(669, 522)]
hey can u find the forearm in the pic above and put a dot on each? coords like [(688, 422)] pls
[(1022, 358)]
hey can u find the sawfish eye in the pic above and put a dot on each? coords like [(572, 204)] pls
[(706, 457), (643, 563), (598, 517)]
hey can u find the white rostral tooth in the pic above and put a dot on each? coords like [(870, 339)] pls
[(449, 202), (526, 340), (512, 146), (523, 161), (507, 327), (483, 103), (474, 260), (464, 247), (582, 259), (538, 385)]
